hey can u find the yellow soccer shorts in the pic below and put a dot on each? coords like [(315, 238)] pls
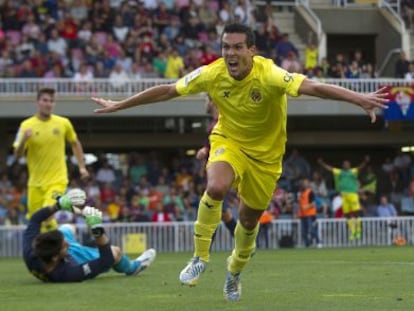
[(254, 181), (350, 202), (39, 197)]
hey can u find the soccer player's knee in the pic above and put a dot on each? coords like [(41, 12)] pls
[(217, 191), (248, 223)]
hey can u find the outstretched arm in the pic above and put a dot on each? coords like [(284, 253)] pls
[(325, 165), (367, 101), (363, 163), (154, 94)]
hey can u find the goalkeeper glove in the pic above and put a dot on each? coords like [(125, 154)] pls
[(72, 200), (93, 218)]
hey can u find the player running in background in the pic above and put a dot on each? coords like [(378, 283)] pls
[(56, 256), (42, 139), (203, 153), (347, 184), (248, 142)]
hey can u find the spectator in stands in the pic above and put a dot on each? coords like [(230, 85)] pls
[(409, 76), (226, 14), (124, 60), (31, 29), (208, 17), (385, 208), (68, 28), (159, 63), (262, 40), (265, 222), (402, 163), (161, 17), (311, 56), (83, 78), (368, 72), (118, 78), (320, 190), (346, 182), (353, 71), (290, 63), (401, 66), (105, 174), (299, 162), (175, 65), (284, 46), (93, 51), (5, 60), (57, 44), (159, 214), (207, 56), (173, 28), (119, 29), (307, 213)]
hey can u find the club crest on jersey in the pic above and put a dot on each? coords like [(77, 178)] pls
[(56, 131), (256, 95)]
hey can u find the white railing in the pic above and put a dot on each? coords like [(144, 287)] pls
[(16, 88), (178, 236)]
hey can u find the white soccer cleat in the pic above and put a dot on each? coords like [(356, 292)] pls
[(145, 260), (190, 274), (232, 287)]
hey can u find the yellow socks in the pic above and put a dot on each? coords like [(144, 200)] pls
[(208, 218), (245, 244)]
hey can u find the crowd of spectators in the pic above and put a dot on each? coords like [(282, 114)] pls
[(123, 39), (139, 187)]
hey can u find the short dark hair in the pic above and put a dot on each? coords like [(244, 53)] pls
[(240, 28), (45, 90), (47, 245)]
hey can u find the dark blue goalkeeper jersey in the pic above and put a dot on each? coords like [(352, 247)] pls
[(67, 270)]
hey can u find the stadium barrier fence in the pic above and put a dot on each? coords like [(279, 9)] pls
[(15, 87), (178, 236)]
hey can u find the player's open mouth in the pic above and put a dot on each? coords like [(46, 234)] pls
[(233, 65)]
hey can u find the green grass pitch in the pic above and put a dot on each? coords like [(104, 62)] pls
[(294, 279)]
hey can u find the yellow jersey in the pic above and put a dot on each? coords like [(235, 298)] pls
[(253, 111), (45, 149)]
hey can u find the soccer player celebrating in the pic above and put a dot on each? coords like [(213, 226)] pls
[(347, 184), (42, 139), (56, 256), (247, 143)]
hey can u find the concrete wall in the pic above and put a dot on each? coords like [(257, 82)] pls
[(360, 22)]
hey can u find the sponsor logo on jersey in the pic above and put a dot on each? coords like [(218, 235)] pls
[(86, 269), (219, 151), (192, 75)]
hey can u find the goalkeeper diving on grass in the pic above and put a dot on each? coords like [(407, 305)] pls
[(56, 256)]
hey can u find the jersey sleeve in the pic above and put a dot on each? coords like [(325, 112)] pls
[(288, 82), (69, 272), (193, 82), (336, 171), (19, 136), (70, 135)]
